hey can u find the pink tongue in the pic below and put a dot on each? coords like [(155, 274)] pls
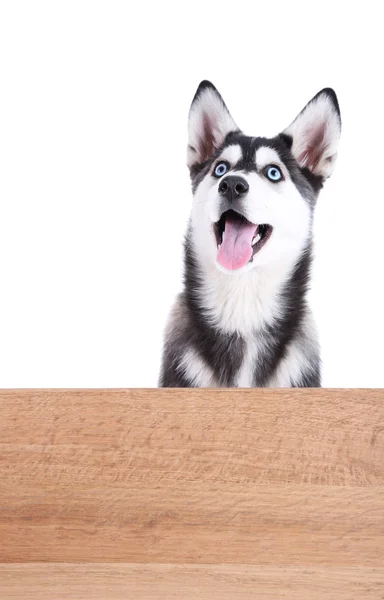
[(236, 248)]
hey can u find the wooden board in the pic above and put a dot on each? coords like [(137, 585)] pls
[(121, 581), (269, 492)]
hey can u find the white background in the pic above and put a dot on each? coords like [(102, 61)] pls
[(95, 194)]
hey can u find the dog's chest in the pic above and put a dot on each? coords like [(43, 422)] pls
[(246, 375)]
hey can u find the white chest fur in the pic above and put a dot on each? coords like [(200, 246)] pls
[(245, 378), (241, 302)]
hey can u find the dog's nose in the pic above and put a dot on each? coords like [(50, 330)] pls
[(233, 187)]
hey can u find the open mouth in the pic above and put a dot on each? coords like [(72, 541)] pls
[(238, 240)]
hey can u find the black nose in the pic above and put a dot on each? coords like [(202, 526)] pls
[(233, 187)]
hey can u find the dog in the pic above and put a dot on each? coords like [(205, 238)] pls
[(242, 319)]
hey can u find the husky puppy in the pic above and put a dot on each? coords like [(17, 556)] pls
[(243, 319)]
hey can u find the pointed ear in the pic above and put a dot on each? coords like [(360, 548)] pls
[(315, 134), (209, 124)]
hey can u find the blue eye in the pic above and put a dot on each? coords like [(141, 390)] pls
[(220, 169), (273, 173)]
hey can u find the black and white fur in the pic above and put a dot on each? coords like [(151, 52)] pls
[(251, 327)]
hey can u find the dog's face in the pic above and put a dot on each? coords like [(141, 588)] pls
[(254, 197)]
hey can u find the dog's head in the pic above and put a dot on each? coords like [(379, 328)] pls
[(254, 197)]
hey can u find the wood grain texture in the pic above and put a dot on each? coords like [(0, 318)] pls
[(235, 488), (111, 581)]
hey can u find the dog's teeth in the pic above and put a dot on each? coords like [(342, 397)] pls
[(256, 239)]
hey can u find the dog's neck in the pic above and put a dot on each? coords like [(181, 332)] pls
[(247, 302)]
